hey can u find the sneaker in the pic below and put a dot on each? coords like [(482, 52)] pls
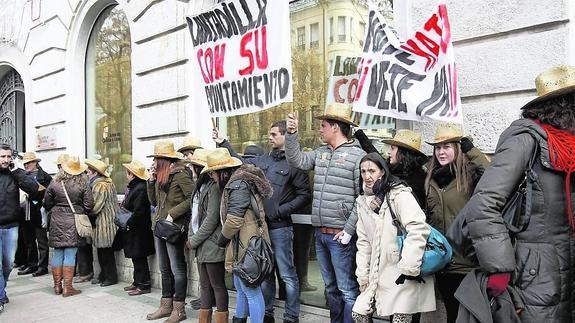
[(1, 307)]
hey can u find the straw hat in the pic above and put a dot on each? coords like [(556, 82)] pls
[(200, 157), (251, 149), (220, 158), (73, 166), (99, 166), (28, 157), (554, 82), (447, 132), (165, 149), (138, 169), (190, 143), (407, 139), (62, 158), (339, 112)]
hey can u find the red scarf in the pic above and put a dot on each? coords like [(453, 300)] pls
[(562, 154)]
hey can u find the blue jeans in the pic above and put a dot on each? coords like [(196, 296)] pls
[(65, 257), (282, 245), (8, 244), (250, 301), (337, 266)]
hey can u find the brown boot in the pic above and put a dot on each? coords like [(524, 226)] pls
[(221, 317), (205, 316), (57, 275), (178, 313), (165, 309), (68, 277)]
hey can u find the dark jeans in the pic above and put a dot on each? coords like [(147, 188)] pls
[(107, 262), (213, 286), (141, 273), (29, 233), (42, 239), (447, 285), (85, 260), (172, 261), (282, 245), (303, 238), (337, 266)]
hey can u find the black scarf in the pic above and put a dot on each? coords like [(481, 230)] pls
[(443, 175)]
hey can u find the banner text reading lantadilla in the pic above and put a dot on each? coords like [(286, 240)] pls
[(242, 54), (410, 80)]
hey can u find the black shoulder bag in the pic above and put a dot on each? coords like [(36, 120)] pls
[(517, 210), (258, 261)]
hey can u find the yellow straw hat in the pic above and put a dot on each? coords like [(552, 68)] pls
[(447, 132), (28, 157), (99, 166), (554, 82), (339, 112), (407, 139), (220, 158), (200, 157), (165, 149), (138, 169), (62, 158), (74, 166), (190, 143)]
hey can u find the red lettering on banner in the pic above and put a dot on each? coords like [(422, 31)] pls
[(336, 87), (413, 48), (362, 75), (352, 87), (212, 63), (261, 52), (429, 43), (446, 33)]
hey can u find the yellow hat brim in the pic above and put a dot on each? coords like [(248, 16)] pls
[(550, 95), (144, 176), (443, 141), (402, 144), (74, 172), (92, 166), (189, 147), (235, 162), (337, 118)]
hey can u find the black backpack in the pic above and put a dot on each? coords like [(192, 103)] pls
[(258, 261)]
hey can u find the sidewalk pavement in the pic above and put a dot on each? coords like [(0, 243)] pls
[(32, 300)]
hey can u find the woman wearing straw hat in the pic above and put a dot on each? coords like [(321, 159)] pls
[(238, 184), (170, 188), (105, 209), (203, 234), (539, 262), (406, 161), (453, 172), (63, 236), (138, 241)]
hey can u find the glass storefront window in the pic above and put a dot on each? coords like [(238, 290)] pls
[(320, 30), (108, 93)]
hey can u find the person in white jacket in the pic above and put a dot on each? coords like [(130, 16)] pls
[(389, 278)]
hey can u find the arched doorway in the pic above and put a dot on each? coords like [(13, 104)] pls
[(12, 126)]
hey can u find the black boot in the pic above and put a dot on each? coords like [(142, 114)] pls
[(269, 319), (238, 320)]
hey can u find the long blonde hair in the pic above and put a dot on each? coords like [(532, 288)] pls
[(459, 166)]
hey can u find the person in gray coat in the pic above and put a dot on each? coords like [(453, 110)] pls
[(334, 214), (538, 261)]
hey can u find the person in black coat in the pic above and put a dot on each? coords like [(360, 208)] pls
[(138, 240)]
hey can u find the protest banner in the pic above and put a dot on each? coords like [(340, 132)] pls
[(343, 81), (242, 56), (410, 80)]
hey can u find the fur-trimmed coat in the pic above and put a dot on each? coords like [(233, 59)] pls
[(236, 212), (105, 208)]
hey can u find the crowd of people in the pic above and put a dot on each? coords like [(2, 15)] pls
[(220, 207)]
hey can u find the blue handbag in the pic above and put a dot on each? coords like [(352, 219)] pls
[(438, 251)]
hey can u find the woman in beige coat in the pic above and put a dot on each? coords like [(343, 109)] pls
[(389, 279)]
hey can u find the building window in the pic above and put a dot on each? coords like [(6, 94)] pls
[(341, 29), (331, 30), (314, 35), (351, 30), (108, 93), (301, 38)]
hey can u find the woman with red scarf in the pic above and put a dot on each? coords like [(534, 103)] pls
[(537, 264)]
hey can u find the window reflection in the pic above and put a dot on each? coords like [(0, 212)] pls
[(108, 92)]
